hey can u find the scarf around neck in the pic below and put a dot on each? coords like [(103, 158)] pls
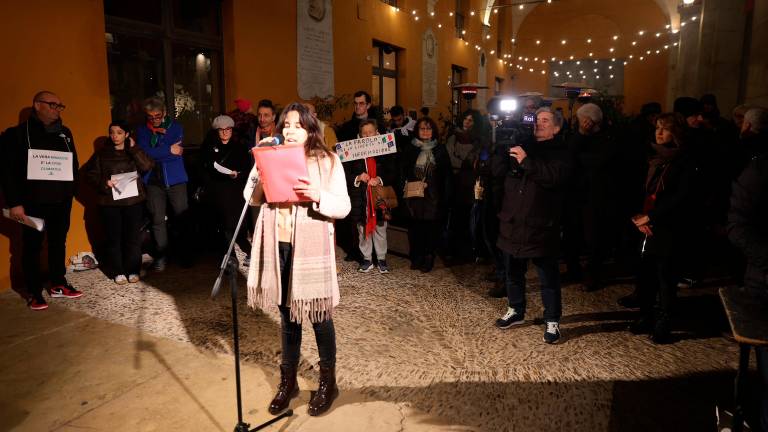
[(370, 199), (157, 131), (425, 157)]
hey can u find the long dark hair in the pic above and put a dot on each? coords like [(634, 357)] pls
[(315, 145)]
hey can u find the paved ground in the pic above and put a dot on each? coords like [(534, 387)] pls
[(415, 352)]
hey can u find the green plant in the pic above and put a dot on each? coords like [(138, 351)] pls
[(327, 106)]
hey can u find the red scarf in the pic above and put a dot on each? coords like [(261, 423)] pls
[(155, 130), (370, 200)]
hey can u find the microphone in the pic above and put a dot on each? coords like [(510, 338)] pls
[(275, 140)]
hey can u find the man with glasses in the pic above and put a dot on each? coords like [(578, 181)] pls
[(346, 231), (39, 177), (161, 138)]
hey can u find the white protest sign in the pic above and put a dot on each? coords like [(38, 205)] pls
[(49, 165), (126, 185), (362, 148)]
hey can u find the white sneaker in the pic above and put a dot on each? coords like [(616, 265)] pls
[(552, 333), (133, 278), (121, 280)]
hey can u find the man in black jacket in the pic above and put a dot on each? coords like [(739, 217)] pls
[(530, 221), (346, 232), (748, 230), (39, 177)]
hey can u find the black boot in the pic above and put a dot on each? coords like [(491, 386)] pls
[(326, 392), (662, 332), (642, 325), (630, 301), (429, 262), (416, 262), (286, 390)]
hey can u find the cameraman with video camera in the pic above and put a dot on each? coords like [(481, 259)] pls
[(530, 220)]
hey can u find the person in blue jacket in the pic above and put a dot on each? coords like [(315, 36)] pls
[(161, 138)]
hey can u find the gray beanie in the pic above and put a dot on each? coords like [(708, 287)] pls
[(223, 122)]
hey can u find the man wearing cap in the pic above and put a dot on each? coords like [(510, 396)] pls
[(161, 138), (37, 190), (245, 121)]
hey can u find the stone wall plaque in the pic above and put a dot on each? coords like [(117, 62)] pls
[(314, 48), (428, 68)]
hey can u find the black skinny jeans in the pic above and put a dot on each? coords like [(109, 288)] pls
[(56, 218), (122, 225), (325, 333)]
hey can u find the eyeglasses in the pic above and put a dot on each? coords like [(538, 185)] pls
[(226, 129), (53, 105), (155, 116)]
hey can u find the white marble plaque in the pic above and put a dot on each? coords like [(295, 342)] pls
[(428, 68), (314, 43)]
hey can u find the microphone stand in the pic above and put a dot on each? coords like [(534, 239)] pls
[(230, 267)]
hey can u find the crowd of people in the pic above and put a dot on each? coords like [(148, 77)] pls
[(657, 198)]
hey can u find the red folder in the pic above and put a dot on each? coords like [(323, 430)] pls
[(279, 170)]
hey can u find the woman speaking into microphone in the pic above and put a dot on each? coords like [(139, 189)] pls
[(293, 263)]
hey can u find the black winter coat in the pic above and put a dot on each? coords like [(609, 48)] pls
[(434, 204), (676, 216), (529, 220), (15, 143), (748, 221), (386, 168), (221, 190)]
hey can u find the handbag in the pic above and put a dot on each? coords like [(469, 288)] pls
[(414, 189), (385, 193)]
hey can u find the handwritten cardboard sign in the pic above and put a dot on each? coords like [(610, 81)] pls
[(362, 148)]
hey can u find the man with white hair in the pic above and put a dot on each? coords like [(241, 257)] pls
[(591, 214), (529, 221), (754, 132)]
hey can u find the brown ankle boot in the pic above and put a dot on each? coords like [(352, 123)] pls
[(286, 390), (326, 392)]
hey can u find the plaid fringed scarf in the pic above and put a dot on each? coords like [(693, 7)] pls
[(313, 285)]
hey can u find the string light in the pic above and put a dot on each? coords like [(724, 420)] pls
[(641, 32), (432, 13), (562, 42), (472, 13), (589, 40), (615, 37), (521, 7), (634, 43), (538, 42)]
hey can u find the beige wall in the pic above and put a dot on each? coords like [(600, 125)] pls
[(577, 20), (58, 46), (757, 80), (255, 35)]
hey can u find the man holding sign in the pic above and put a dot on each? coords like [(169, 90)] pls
[(38, 175)]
